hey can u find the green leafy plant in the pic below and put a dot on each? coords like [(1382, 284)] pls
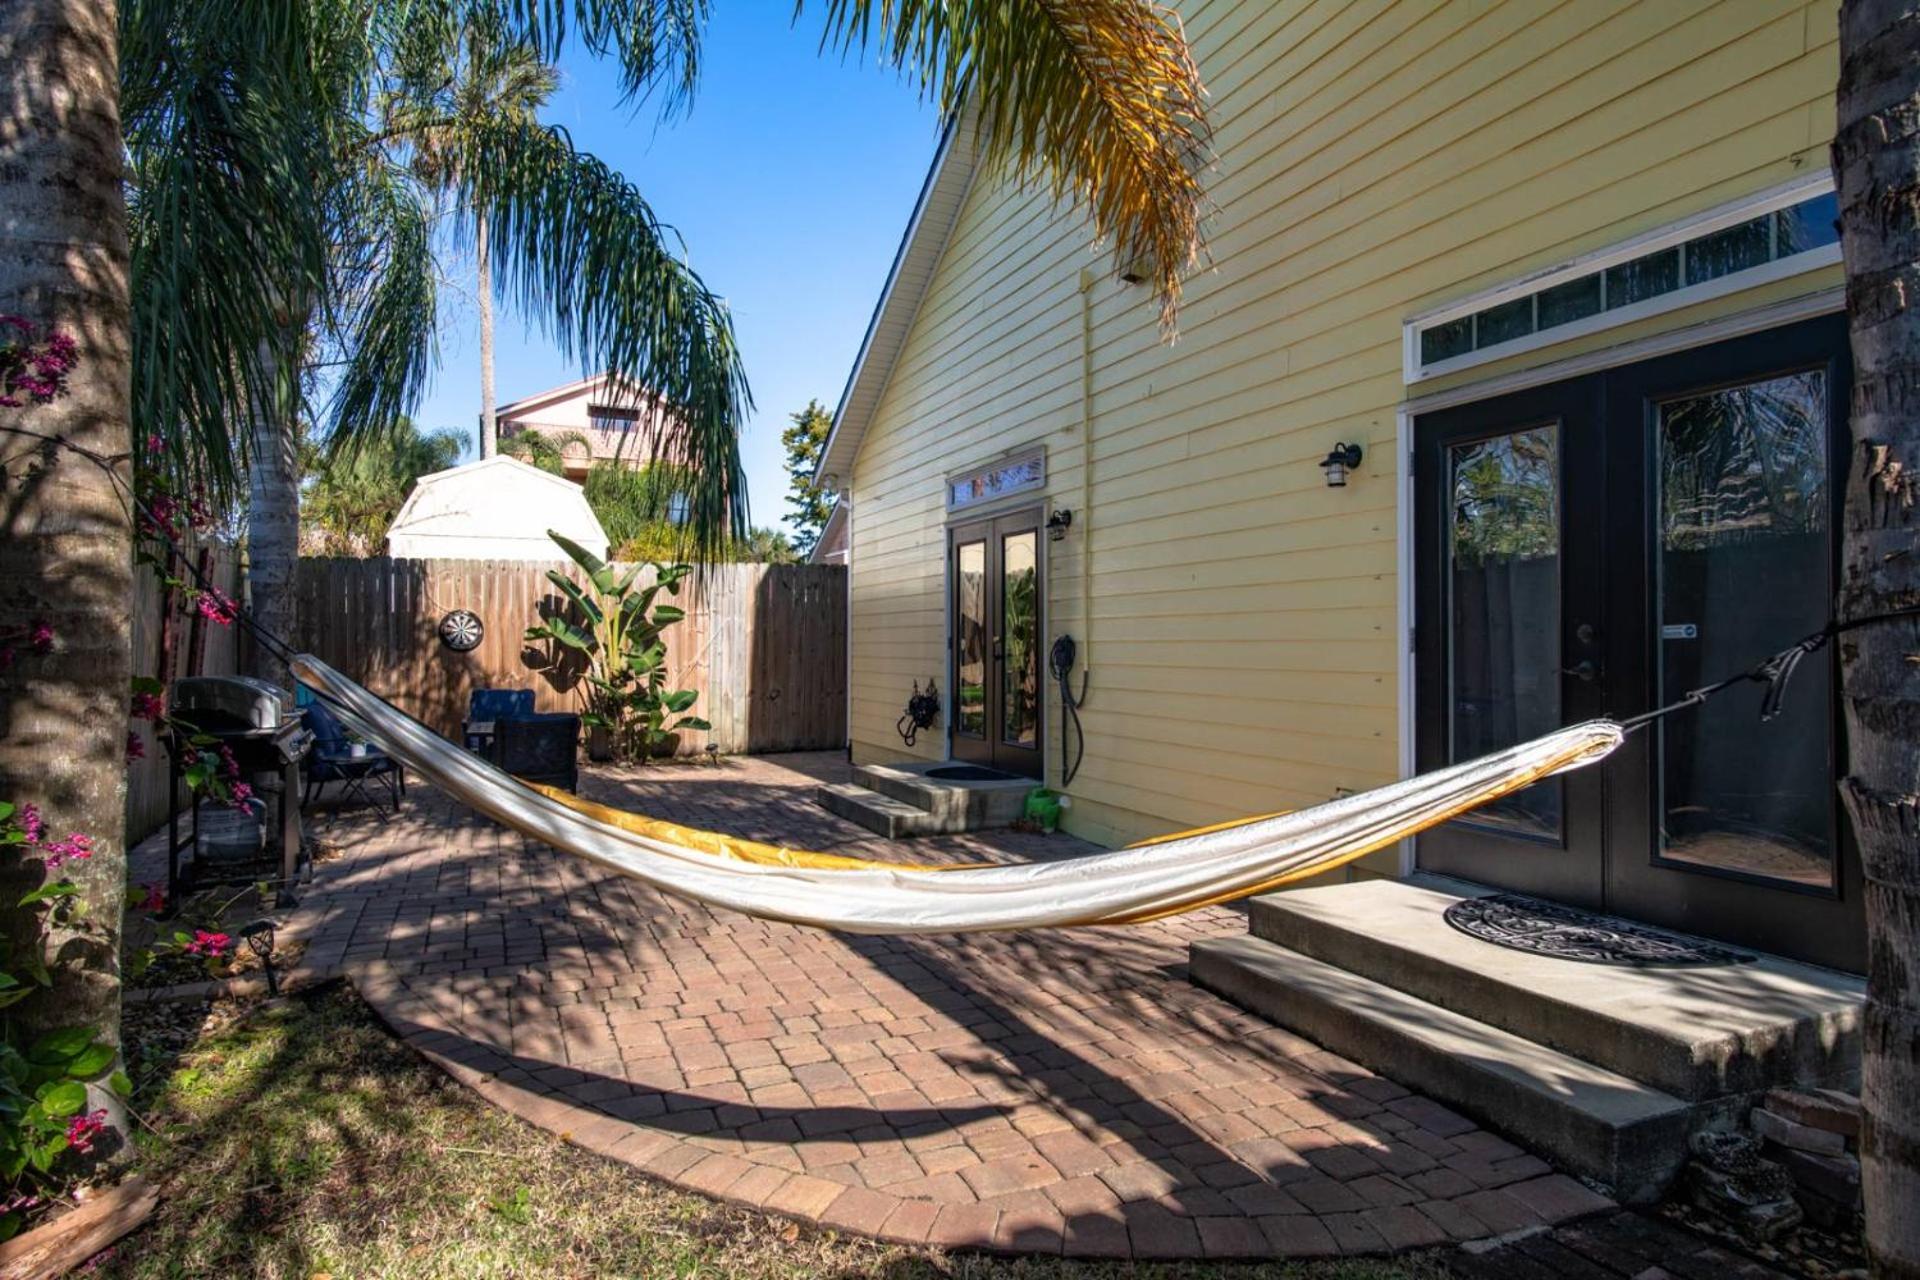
[(43, 1074), (616, 627)]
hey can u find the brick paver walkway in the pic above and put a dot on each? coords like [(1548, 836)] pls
[(1061, 1091)]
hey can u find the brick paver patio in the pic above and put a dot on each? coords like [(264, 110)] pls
[(1062, 1091)]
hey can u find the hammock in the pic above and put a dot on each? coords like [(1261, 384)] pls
[(1144, 882)]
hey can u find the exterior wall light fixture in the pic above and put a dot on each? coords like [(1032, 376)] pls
[(1058, 523), (1344, 458)]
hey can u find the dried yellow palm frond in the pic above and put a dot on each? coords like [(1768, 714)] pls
[(1099, 97)]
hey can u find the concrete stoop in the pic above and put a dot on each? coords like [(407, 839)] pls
[(1605, 1069), (900, 800)]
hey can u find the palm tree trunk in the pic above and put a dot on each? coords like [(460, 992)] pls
[(66, 540), (1876, 159), (273, 511), (487, 441)]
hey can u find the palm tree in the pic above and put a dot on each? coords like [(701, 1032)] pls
[(452, 83), (546, 450), (66, 547), (1876, 162), (1098, 97)]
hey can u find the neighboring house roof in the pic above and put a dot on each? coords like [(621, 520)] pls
[(498, 509), (831, 546), (934, 216)]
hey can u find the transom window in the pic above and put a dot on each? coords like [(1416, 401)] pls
[(1002, 479), (1766, 237)]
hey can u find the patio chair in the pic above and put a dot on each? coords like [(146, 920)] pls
[(485, 707), (333, 760), (539, 747)]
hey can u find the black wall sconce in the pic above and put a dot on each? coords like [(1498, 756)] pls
[(1058, 523), (1344, 458)]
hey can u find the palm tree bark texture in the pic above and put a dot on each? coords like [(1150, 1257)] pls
[(1876, 160), (67, 544)]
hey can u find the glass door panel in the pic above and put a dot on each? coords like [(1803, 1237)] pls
[(971, 630), (1020, 636), (1508, 644), (1503, 590), (1744, 569)]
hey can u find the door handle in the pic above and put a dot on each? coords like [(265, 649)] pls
[(1584, 671)]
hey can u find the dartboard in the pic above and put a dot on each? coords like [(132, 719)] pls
[(462, 630)]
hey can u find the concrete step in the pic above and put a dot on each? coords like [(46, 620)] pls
[(882, 815), (959, 805), (1697, 1033), (1592, 1121)]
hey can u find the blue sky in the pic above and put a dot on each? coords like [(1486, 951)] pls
[(790, 178)]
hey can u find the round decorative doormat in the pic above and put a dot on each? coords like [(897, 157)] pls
[(970, 773), (1568, 933)]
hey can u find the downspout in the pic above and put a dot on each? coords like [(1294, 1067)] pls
[(1086, 486)]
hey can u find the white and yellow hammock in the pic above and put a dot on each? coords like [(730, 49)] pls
[(1143, 882)]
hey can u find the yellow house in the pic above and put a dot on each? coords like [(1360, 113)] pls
[(1513, 393)]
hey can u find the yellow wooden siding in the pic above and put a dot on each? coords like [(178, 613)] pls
[(1376, 159)]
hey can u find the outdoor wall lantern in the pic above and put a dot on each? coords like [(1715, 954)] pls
[(1344, 458), (1058, 523)]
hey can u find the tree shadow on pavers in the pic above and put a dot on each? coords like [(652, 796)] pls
[(684, 1112), (1010, 995)]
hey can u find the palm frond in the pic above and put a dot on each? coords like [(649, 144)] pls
[(225, 224), (656, 42), (585, 257), (1101, 97), (385, 305)]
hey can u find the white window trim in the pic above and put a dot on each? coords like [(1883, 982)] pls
[(1802, 188)]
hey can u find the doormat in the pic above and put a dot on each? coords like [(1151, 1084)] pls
[(970, 773), (1568, 933)]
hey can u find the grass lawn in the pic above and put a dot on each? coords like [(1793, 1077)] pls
[(304, 1141)]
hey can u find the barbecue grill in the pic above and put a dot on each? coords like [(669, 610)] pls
[(258, 723)]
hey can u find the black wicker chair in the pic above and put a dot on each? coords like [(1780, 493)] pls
[(544, 747)]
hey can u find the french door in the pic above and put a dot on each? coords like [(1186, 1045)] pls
[(1602, 545), (993, 575)]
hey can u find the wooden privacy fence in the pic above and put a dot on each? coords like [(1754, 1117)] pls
[(193, 647), (764, 645)]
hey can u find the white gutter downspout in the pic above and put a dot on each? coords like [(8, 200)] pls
[(1085, 516)]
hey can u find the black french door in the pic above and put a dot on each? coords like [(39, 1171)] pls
[(994, 588), (1602, 545)]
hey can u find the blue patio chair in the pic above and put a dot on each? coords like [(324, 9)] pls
[(486, 708), (332, 760)]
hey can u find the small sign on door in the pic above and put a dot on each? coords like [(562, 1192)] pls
[(1680, 631)]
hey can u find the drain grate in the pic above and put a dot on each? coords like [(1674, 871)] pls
[(970, 773), (1568, 933)]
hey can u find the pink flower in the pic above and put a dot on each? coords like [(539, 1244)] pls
[(228, 765), (74, 848), (42, 637), (84, 1128), (216, 606), (155, 444), (31, 823), (240, 793), (156, 900), (211, 945), (149, 706), (136, 748)]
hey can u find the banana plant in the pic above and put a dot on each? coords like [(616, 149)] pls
[(617, 628)]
